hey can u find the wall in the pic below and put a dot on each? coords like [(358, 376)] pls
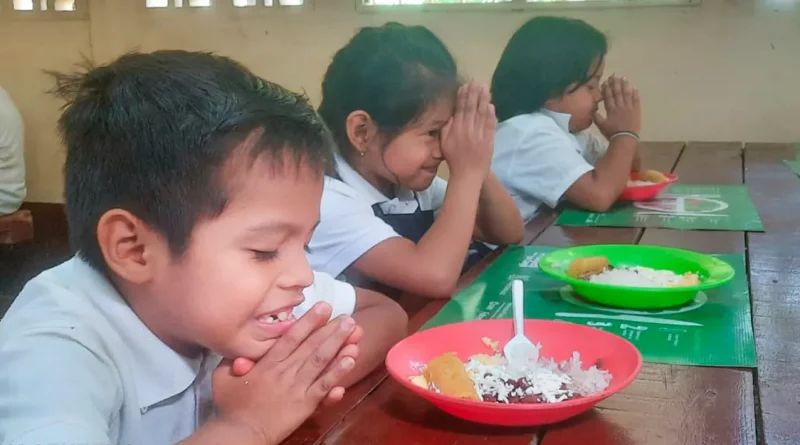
[(27, 48), (726, 70)]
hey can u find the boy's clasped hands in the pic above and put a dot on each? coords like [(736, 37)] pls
[(303, 369)]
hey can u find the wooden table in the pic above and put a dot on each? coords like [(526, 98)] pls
[(16, 227), (667, 404)]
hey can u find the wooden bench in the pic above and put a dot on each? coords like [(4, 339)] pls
[(16, 227)]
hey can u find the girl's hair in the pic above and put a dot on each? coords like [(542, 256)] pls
[(392, 72), (543, 58)]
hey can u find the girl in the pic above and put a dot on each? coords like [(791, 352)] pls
[(391, 97), (546, 90)]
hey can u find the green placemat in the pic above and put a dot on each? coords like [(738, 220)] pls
[(794, 165), (713, 330), (686, 207)]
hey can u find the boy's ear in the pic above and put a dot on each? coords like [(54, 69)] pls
[(361, 130), (131, 249)]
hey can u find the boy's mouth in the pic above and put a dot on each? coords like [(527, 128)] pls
[(278, 321), (283, 316), (275, 324)]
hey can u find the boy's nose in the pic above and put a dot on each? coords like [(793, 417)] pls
[(298, 273)]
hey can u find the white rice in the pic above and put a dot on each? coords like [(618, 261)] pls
[(637, 276), (585, 381), (554, 382)]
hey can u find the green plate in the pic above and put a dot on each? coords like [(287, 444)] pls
[(712, 272)]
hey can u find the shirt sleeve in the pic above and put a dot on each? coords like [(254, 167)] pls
[(340, 295), (542, 164), (12, 163), (596, 147), (55, 390), (348, 228)]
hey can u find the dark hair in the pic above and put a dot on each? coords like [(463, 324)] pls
[(152, 134), (392, 72), (543, 58)]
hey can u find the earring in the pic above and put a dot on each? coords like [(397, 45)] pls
[(361, 153)]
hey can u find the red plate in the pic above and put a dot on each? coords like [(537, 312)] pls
[(645, 192), (559, 339)]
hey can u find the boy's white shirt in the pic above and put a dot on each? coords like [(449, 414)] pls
[(12, 157), (537, 159), (79, 367)]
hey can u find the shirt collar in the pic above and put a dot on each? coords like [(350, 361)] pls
[(349, 176), (562, 119), (160, 372)]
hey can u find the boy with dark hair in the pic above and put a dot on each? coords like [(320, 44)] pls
[(192, 188)]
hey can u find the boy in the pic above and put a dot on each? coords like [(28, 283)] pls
[(192, 187)]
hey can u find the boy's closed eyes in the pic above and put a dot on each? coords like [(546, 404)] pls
[(192, 188)]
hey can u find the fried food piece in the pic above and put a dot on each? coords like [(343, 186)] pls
[(652, 176), (688, 279), (448, 375), (420, 381), (584, 268)]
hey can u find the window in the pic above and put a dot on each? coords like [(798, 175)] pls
[(43, 5), (509, 5), (223, 4), (177, 3), (65, 5), (24, 5), (247, 3), (47, 9), (426, 2), (159, 4)]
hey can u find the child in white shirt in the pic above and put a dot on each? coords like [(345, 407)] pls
[(547, 89), (392, 99), (192, 188)]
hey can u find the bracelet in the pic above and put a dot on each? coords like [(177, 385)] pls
[(623, 133)]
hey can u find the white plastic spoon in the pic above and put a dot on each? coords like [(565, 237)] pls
[(519, 351)]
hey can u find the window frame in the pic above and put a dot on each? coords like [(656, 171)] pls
[(260, 10), (8, 13), (185, 9), (226, 7), (522, 6)]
